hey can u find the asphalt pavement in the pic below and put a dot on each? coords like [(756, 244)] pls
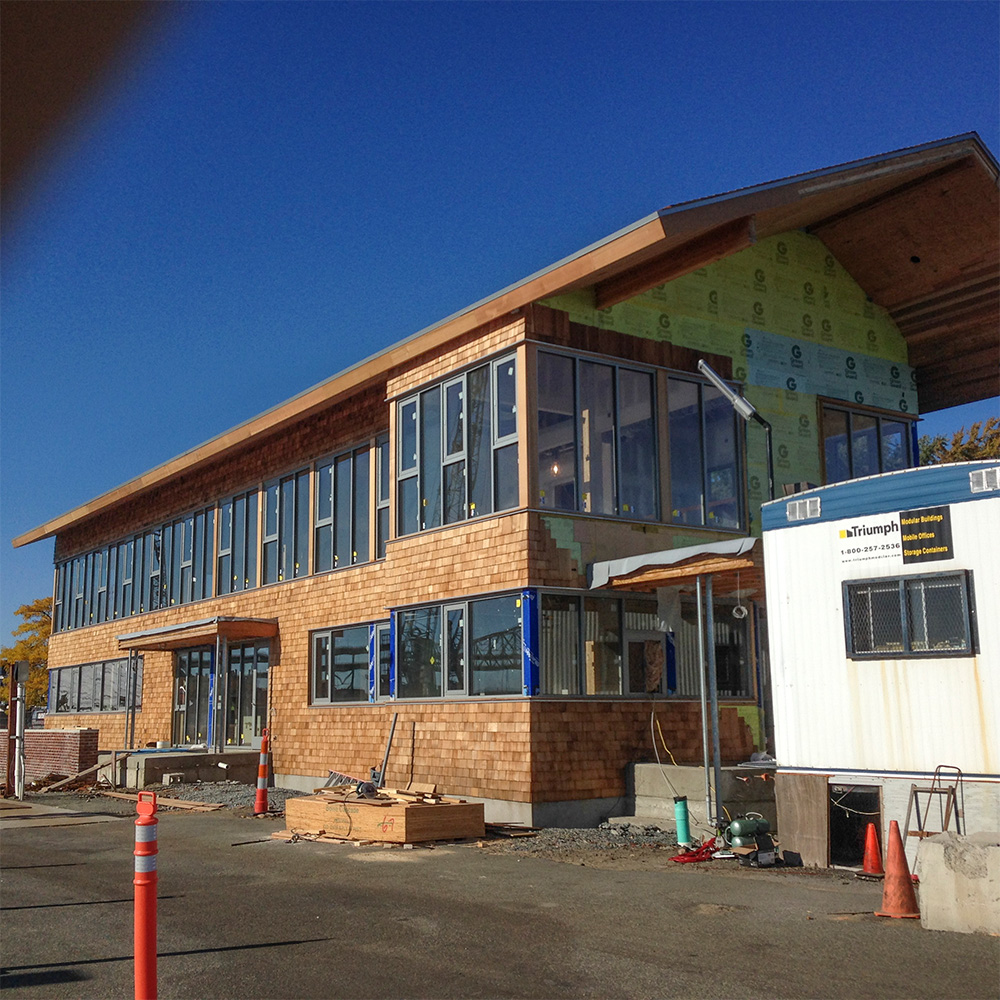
[(244, 916)]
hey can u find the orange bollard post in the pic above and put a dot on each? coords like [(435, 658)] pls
[(145, 882), (260, 802), (898, 897), (872, 866)]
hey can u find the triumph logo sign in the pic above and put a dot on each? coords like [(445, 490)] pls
[(871, 538)]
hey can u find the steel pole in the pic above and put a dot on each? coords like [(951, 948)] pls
[(704, 707), (713, 691)]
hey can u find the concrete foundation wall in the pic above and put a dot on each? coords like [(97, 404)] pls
[(743, 789)]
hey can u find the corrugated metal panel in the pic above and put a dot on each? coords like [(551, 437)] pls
[(903, 490), (901, 715)]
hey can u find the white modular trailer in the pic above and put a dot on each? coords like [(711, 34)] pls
[(883, 603)]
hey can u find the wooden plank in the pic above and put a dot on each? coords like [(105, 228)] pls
[(170, 803), (79, 774)]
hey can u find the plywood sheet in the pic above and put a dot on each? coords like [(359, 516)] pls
[(803, 802)]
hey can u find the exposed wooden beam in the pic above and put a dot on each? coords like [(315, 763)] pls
[(896, 192), (942, 320), (704, 249)]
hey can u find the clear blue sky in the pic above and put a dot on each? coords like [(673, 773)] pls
[(266, 193)]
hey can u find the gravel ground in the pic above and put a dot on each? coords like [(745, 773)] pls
[(623, 846)]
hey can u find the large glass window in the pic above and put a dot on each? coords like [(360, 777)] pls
[(419, 653), (238, 543), (342, 511), (467, 648), (596, 438), (705, 478), (340, 665), (285, 545), (457, 446), (93, 687), (908, 617), (862, 443), (382, 471), (607, 646), (187, 557)]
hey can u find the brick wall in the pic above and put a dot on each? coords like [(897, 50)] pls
[(55, 751)]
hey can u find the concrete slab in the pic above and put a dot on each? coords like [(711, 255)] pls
[(36, 814)]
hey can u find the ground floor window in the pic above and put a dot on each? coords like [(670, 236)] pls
[(340, 665), (602, 645), (910, 617), (464, 648), (593, 645), (95, 687)]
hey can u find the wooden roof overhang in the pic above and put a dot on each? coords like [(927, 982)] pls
[(918, 229), (736, 568), (202, 632)]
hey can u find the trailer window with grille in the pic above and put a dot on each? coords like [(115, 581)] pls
[(909, 617)]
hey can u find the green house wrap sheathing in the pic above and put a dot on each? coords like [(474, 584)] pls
[(796, 325)]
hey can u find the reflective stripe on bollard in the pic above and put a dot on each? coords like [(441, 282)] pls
[(260, 801), (145, 882)]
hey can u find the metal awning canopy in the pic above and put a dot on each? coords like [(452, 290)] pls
[(736, 564), (203, 632)]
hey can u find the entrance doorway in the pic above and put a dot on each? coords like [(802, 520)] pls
[(246, 694), (227, 709), (193, 685)]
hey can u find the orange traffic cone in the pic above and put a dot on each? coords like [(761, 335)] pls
[(260, 800), (898, 898), (872, 866)]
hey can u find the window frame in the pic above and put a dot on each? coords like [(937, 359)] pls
[(328, 635), (295, 488), (881, 416), (706, 468), (358, 510), (965, 586), (465, 607), (410, 512), (104, 680), (581, 497)]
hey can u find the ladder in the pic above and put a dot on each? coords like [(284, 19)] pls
[(946, 787)]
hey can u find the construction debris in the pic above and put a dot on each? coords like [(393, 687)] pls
[(80, 774)]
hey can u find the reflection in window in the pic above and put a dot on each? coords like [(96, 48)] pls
[(857, 444), (596, 438), (458, 449), (341, 515), (478, 653), (705, 480), (286, 528), (340, 665), (94, 687), (419, 654)]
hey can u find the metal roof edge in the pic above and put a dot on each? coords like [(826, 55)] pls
[(886, 493)]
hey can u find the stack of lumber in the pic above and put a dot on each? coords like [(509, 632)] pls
[(413, 815)]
